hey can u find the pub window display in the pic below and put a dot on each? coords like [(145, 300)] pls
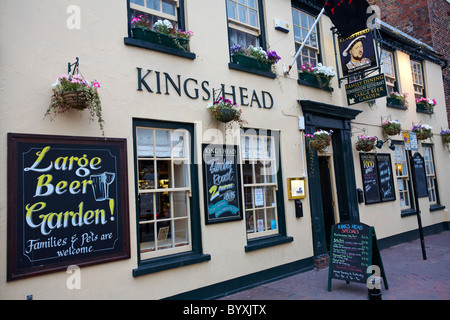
[(163, 182)]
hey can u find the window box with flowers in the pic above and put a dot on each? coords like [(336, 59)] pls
[(317, 77), (320, 140), (425, 105), (254, 60), (391, 127), (73, 92), (365, 143), (161, 36), (423, 131), (398, 100), (224, 110)]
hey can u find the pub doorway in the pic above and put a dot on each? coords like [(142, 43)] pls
[(328, 199)]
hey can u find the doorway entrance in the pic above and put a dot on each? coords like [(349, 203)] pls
[(328, 202), (330, 171)]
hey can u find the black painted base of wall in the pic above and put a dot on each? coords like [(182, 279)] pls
[(222, 289)]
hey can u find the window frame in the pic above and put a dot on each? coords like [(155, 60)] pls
[(262, 42), (436, 205), (422, 77), (394, 68), (308, 14), (172, 259), (406, 178), (268, 239)]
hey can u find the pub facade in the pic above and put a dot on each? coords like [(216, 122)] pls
[(123, 179)]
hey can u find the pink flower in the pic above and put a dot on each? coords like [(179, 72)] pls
[(135, 20), (96, 84)]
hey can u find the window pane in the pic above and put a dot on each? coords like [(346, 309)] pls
[(178, 144), (180, 174), (304, 21), (231, 9), (163, 174), (145, 143), (147, 237), (253, 18), (247, 172), (180, 205), (259, 172), (250, 221), (181, 232), (260, 220), (162, 143), (146, 174), (153, 4), (270, 197), (271, 219), (252, 4), (164, 232), (168, 6), (138, 2), (248, 197), (146, 208), (243, 14), (162, 205)]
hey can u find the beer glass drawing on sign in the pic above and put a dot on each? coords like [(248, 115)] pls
[(100, 185)]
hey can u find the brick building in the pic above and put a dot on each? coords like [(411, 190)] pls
[(427, 21)]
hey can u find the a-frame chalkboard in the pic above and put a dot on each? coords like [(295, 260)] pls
[(353, 249)]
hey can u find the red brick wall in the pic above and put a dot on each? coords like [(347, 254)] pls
[(425, 20)]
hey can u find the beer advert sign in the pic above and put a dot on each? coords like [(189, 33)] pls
[(67, 204)]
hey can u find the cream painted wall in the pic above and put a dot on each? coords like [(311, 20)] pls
[(36, 49)]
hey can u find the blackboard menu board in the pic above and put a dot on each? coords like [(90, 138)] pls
[(221, 181), (349, 253), (354, 254), (419, 175), (377, 177), (67, 204)]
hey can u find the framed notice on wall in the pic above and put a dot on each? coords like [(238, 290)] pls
[(67, 203), (377, 177), (221, 183)]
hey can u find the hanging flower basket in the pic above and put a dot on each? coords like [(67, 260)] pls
[(391, 127), (320, 140), (224, 110), (423, 131), (445, 136), (73, 92), (365, 144)]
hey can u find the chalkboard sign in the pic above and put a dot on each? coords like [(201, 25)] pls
[(377, 177), (353, 249), (370, 178), (67, 203), (419, 175), (386, 179), (221, 181)]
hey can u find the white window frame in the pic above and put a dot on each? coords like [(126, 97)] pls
[(430, 173), (308, 48), (260, 186), (172, 247), (156, 13), (402, 173), (388, 68), (417, 76), (242, 27)]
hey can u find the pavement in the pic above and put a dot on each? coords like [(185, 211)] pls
[(409, 277)]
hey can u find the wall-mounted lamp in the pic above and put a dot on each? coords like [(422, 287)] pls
[(380, 143)]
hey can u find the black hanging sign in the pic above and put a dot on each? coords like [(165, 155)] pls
[(221, 183), (419, 175), (354, 253), (67, 203)]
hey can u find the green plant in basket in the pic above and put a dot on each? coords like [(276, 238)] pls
[(74, 92)]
